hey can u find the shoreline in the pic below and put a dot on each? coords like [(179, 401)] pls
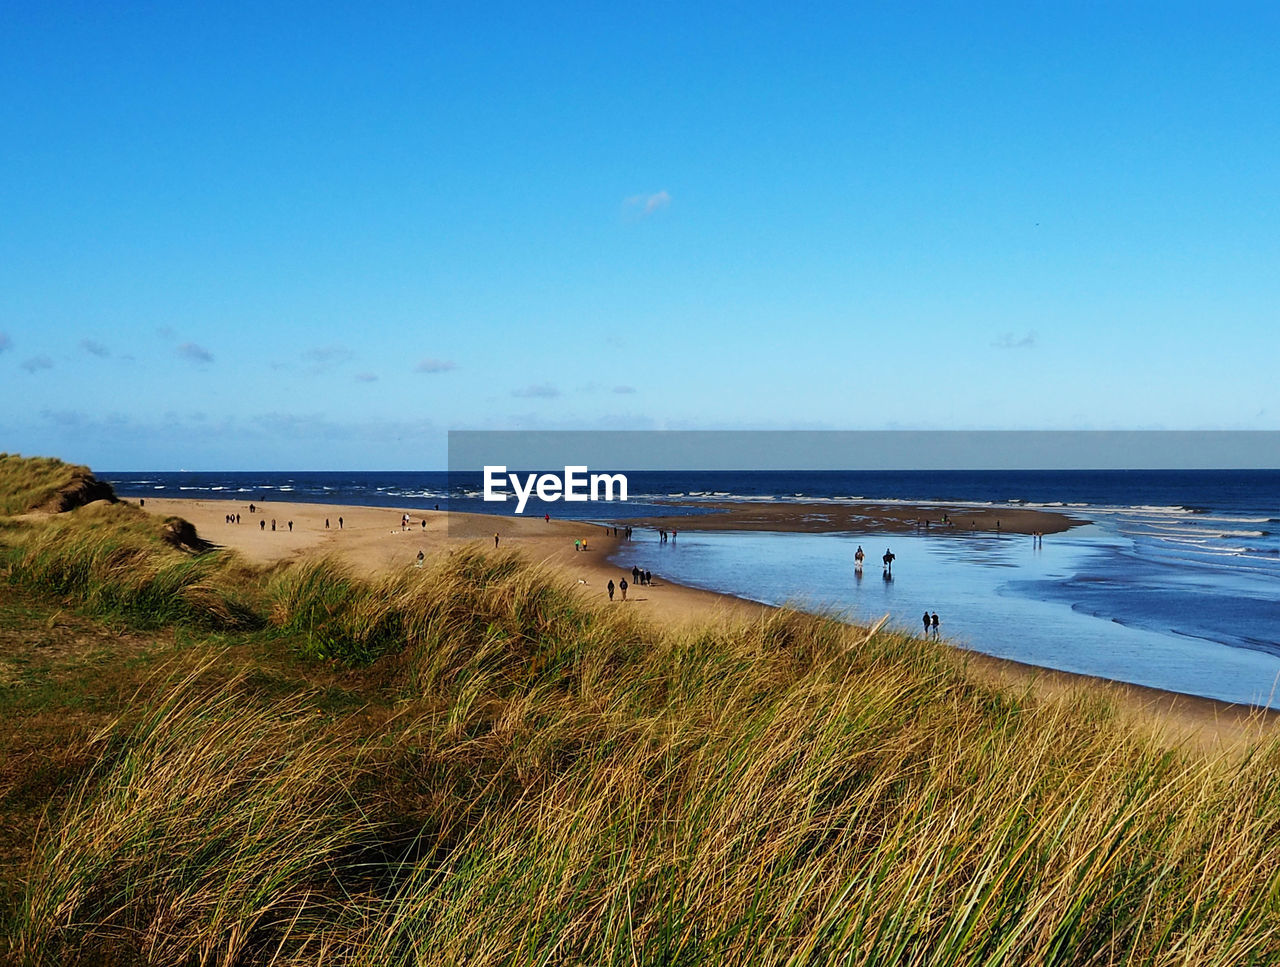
[(372, 540)]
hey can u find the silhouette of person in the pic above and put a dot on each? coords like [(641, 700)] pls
[(339, 523), (611, 589), (262, 525), (648, 577), (635, 574), (273, 523), (888, 559), (290, 527), (622, 586), (495, 538), (926, 623), (421, 558), (934, 622)]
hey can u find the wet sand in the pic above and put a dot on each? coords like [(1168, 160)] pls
[(820, 518), (373, 540)]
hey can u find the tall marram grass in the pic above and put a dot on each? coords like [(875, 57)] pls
[(111, 560), (210, 833), (585, 788), (27, 482)]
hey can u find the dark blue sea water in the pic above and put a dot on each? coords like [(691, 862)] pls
[(1174, 583)]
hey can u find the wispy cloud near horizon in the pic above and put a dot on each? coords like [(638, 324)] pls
[(536, 391), (194, 353), (431, 365), (1008, 340)]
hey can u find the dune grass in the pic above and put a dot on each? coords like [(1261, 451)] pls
[(110, 560), (542, 780), (27, 482)]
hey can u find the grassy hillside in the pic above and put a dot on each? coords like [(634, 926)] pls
[(29, 483), (469, 764)]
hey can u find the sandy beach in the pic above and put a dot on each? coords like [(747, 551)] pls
[(375, 540)]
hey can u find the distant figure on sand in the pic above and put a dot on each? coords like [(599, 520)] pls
[(262, 525), (611, 589), (635, 574), (273, 523), (622, 586), (888, 560), (421, 557), (495, 538), (326, 523), (251, 510), (339, 523)]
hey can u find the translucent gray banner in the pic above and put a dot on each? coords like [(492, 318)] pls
[(472, 451)]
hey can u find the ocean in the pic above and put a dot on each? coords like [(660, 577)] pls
[(1174, 583)]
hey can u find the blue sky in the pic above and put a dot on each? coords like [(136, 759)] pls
[(315, 236)]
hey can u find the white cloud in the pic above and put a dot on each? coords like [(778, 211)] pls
[(642, 206)]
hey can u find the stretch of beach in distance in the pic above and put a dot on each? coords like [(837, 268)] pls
[(373, 540)]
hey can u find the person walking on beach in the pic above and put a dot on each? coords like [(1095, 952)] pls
[(622, 586), (635, 574), (610, 589), (421, 558), (934, 621), (577, 545), (273, 523), (262, 525), (251, 510), (290, 527), (926, 623), (495, 538), (648, 578), (326, 523), (339, 523), (888, 560)]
